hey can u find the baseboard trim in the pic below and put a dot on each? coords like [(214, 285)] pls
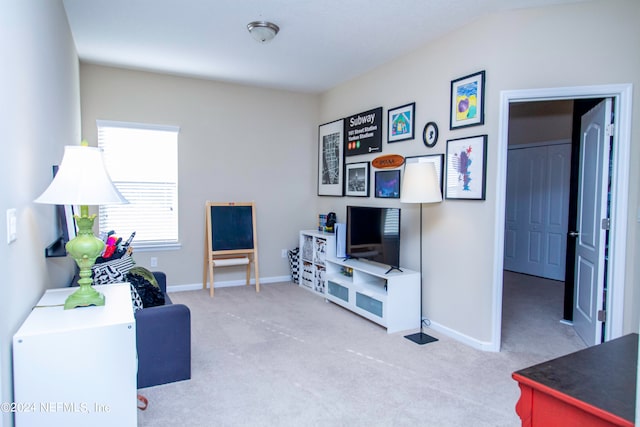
[(451, 333), (465, 339), (227, 284)]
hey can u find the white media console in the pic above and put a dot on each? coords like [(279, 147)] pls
[(388, 298)]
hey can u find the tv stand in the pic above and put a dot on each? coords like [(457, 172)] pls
[(387, 296), (393, 268)]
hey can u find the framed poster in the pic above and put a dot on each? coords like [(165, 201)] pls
[(330, 160), (466, 168), (467, 101), (436, 159), (363, 133), (401, 122), (357, 179), (388, 184)]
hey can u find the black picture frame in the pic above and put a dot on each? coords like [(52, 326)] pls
[(388, 184), (466, 106), (331, 158), (363, 133), (466, 165), (356, 179), (438, 162), (401, 123)]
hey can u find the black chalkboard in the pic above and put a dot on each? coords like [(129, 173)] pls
[(231, 227)]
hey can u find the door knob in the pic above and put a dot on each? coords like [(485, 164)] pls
[(574, 233)]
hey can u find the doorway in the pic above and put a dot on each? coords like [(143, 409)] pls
[(621, 95), (539, 163)]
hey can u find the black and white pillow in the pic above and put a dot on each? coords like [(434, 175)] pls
[(136, 301), (146, 285), (114, 271)]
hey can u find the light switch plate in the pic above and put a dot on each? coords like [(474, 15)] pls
[(12, 225)]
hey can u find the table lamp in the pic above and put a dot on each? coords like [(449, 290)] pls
[(82, 179), (420, 185)]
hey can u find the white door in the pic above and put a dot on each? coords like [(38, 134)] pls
[(537, 204), (592, 209), (557, 204)]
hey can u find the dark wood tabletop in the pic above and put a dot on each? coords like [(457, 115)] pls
[(603, 376)]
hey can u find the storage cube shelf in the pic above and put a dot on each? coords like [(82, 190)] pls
[(315, 246), (388, 298)]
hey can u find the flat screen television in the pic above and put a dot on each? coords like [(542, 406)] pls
[(373, 233)]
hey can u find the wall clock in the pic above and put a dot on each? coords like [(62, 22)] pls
[(430, 134)]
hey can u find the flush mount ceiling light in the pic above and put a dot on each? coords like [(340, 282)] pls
[(263, 31)]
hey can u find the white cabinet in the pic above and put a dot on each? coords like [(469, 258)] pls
[(77, 367), (389, 298), (315, 248)]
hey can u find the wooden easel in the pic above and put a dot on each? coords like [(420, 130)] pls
[(230, 239)]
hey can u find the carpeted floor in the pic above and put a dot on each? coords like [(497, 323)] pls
[(285, 357)]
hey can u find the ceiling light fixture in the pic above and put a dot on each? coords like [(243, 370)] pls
[(262, 31)]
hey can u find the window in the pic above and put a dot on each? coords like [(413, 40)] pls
[(392, 222), (142, 161)]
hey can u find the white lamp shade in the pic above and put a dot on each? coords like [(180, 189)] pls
[(82, 179), (420, 183)]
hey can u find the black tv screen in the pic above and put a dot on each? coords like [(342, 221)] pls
[(374, 234)]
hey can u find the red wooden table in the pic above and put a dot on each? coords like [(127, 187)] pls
[(591, 387)]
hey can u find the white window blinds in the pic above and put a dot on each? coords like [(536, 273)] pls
[(391, 222), (142, 161)]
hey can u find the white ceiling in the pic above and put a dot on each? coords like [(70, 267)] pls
[(321, 43)]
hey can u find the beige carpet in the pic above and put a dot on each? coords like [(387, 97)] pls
[(285, 357)]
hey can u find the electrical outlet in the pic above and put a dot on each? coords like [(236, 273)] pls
[(284, 253), (154, 261)]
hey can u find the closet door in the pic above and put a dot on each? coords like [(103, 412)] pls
[(536, 212)]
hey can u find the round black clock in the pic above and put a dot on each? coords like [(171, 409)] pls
[(430, 134)]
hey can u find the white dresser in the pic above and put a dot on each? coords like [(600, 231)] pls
[(77, 367)]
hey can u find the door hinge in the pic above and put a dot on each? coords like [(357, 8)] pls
[(606, 223), (610, 129), (602, 315)]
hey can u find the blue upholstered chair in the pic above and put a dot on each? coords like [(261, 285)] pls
[(163, 341)]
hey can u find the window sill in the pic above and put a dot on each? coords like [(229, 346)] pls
[(161, 246)]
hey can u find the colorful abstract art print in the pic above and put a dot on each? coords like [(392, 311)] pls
[(467, 101), (388, 184), (401, 123), (466, 162)]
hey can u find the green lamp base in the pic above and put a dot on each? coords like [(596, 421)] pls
[(80, 298), (85, 248)]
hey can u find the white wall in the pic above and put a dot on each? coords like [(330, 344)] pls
[(532, 122), (588, 43), (39, 114), (236, 143)]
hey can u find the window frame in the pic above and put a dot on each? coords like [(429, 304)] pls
[(148, 245)]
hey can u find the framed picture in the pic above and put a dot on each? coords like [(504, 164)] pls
[(466, 168), (363, 133), (467, 101), (357, 179), (436, 159), (388, 184), (330, 158), (401, 123)]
